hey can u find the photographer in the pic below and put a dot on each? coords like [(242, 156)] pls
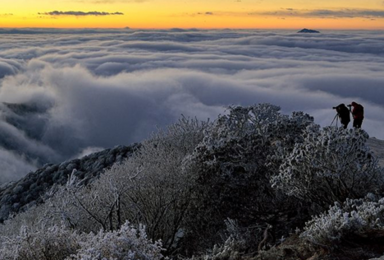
[(358, 114), (343, 113)]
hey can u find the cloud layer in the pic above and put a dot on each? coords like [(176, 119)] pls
[(80, 13), (92, 89), (325, 13)]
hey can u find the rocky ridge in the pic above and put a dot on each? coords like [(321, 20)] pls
[(18, 196)]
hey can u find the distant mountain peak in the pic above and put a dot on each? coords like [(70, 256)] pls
[(305, 30)]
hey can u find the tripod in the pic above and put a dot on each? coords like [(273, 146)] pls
[(337, 120)]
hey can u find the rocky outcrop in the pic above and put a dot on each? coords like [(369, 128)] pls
[(18, 196)]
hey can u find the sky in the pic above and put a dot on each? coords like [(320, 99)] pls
[(208, 14), (65, 92)]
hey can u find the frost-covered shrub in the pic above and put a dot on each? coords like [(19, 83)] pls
[(85, 208), (160, 192), (233, 164), (30, 218), (237, 240), (228, 251), (127, 243), (353, 218), (148, 188), (59, 243), (331, 164), (45, 243), (245, 237)]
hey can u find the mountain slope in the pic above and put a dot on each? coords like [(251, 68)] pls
[(18, 196)]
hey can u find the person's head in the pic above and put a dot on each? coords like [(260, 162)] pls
[(354, 103)]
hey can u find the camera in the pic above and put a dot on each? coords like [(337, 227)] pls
[(333, 107), (349, 106)]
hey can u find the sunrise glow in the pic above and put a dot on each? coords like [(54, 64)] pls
[(337, 14)]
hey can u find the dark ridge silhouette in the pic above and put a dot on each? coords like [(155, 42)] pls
[(305, 30)]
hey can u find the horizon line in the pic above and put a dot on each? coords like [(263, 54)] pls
[(188, 28)]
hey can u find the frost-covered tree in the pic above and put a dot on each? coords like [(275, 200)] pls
[(331, 164), (233, 165), (43, 243), (351, 220), (86, 208), (149, 188), (126, 243), (161, 192), (60, 243)]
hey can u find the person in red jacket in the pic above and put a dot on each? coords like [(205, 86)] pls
[(358, 114)]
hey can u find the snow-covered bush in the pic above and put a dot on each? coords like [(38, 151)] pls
[(85, 208), (233, 164), (160, 192), (44, 243), (148, 188), (351, 219), (127, 243), (30, 218), (61, 243), (331, 164), (237, 240), (227, 251)]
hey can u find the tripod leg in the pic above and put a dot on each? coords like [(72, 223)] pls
[(336, 116)]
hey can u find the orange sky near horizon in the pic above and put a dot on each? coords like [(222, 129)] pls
[(152, 14)]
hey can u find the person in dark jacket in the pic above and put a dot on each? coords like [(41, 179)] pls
[(358, 114), (343, 113)]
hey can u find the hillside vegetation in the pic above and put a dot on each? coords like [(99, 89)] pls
[(253, 184)]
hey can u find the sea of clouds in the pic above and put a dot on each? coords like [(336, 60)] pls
[(67, 92)]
